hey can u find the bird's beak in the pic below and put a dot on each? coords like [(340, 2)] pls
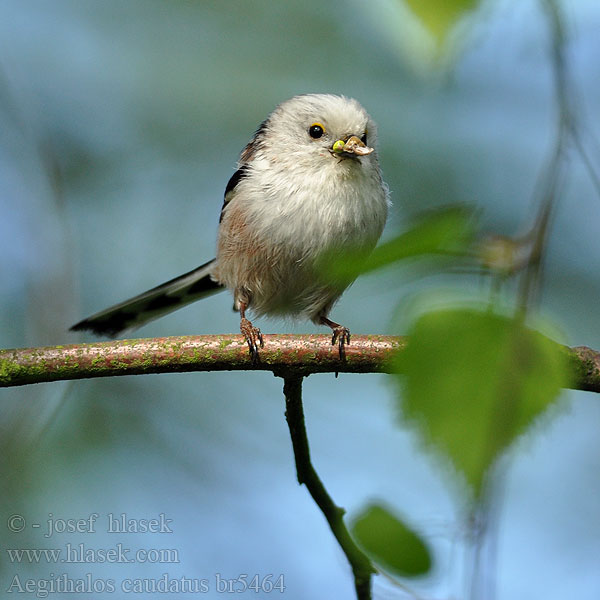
[(353, 145)]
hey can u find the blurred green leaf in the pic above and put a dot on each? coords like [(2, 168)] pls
[(445, 231), (390, 543), (474, 381), (439, 16)]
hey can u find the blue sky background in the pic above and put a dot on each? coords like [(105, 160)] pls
[(120, 124)]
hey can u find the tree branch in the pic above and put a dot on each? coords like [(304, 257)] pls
[(283, 354), (362, 569), (305, 354)]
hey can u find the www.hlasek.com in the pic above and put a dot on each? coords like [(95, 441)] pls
[(81, 553), (166, 584)]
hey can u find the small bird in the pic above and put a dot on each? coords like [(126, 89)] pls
[(307, 191)]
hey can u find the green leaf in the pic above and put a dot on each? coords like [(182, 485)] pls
[(473, 381), (390, 543), (445, 231), (439, 16)]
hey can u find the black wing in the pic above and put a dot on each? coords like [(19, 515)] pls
[(246, 157), (231, 185)]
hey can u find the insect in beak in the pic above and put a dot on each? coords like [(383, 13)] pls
[(353, 145)]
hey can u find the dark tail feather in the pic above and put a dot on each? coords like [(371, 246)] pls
[(152, 304)]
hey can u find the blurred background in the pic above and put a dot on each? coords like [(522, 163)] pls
[(120, 124)]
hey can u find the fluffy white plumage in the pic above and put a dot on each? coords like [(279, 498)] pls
[(299, 202), (308, 188)]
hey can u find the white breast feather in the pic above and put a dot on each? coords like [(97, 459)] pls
[(294, 207)]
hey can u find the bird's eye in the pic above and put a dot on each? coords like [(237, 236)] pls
[(316, 130), (363, 139)]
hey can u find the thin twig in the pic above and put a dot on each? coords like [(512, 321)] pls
[(362, 568), (550, 180), (530, 284)]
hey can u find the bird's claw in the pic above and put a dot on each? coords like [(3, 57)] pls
[(341, 335), (253, 337)]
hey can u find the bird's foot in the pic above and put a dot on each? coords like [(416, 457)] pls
[(253, 337), (341, 335)]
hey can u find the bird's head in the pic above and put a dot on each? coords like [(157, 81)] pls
[(315, 125)]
